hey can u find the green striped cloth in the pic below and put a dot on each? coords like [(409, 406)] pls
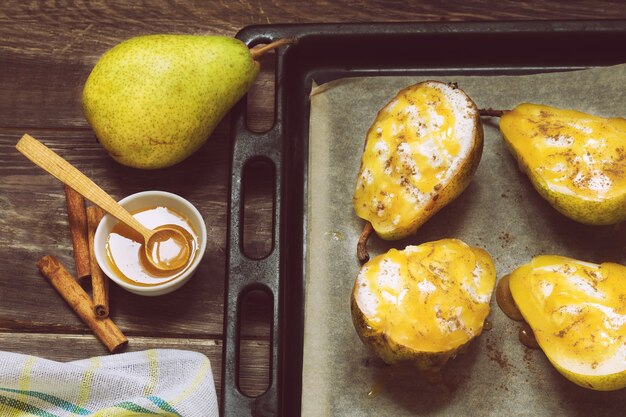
[(160, 382)]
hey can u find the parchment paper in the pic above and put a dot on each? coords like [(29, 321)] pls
[(500, 211)]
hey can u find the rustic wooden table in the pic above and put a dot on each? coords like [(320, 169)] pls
[(47, 49)]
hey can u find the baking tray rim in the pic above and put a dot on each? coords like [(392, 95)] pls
[(286, 140)]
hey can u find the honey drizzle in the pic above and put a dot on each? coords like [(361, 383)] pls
[(507, 304), (123, 237), (527, 336), (505, 299)]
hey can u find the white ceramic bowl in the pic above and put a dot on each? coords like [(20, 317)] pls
[(139, 201)]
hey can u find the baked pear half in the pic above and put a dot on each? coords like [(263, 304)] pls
[(576, 161), (420, 154), (421, 305), (577, 311)]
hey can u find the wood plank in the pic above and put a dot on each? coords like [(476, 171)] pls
[(85, 346), (233, 15), (41, 94), (34, 220), (44, 94), (68, 347), (48, 49)]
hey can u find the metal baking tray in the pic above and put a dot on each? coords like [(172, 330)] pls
[(325, 52)]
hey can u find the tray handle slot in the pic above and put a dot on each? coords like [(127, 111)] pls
[(246, 273), (261, 116), (258, 188), (256, 309)]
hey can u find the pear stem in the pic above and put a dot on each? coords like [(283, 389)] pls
[(256, 52), (491, 112), (361, 247)]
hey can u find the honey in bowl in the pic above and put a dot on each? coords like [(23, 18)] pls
[(126, 255)]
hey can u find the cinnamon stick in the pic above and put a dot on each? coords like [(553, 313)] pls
[(99, 283), (77, 218), (108, 333)]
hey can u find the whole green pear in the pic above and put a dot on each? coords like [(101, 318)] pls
[(154, 100)]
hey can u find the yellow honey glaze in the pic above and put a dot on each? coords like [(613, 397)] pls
[(577, 311), (576, 161), (414, 147), (430, 298), (127, 257), (169, 248)]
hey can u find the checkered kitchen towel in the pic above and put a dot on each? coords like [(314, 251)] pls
[(160, 382)]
